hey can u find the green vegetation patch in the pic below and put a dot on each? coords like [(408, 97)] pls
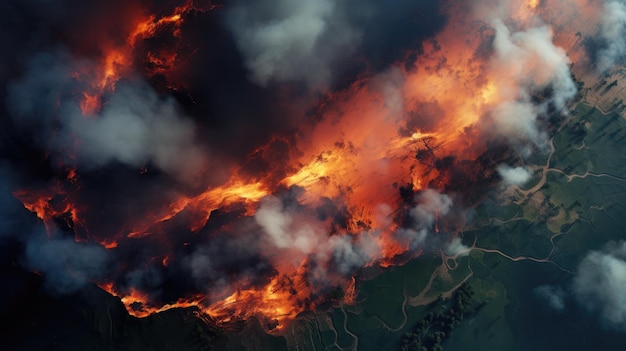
[(430, 332)]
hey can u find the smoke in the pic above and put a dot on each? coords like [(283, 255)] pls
[(554, 296), (282, 238), (286, 236), (65, 264), (389, 85), (319, 43), (600, 283), (282, 40), (612, 34), (228, 261), (598, 286), (288, 229), (285, 231), (349, 254), (514, 176), (456, 247), (431, 206), (527, 63), (135, 127)]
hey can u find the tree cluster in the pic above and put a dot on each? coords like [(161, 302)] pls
[(432, 330)]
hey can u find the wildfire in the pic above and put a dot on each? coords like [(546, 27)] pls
[(117, 61), (109, 244), (276, 302), (273, 302), (48, 204), (212, 199), (138, 303), (399, 131)]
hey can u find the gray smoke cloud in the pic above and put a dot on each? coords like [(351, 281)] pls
[(135, 126), (285, 234), (208, 264), (351, 253), (554, 296), (613, 33), (286, 230), (528, 61), (514, 175), (431, 205), (65, 264), (284, 40), (600, 284), (12, 217), (455, 247)]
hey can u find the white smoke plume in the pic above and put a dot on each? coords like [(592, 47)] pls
[(613, 33), (351, 253), (600, 284), (291, 235), (456, 247), (135, 126), (431, 204), (514, 176), (525, 62), (284, 40), (288, 230)]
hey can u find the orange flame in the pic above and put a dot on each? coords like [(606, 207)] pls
[(274, 302), (117, 61), (364, 145)]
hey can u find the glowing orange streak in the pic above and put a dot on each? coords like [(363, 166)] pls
[(351, 291), (41, 204), (138, 304), (272, 301), (211, 200), (114, 62), (117, 60), (109, 244), (149, 27), (202, 205)]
